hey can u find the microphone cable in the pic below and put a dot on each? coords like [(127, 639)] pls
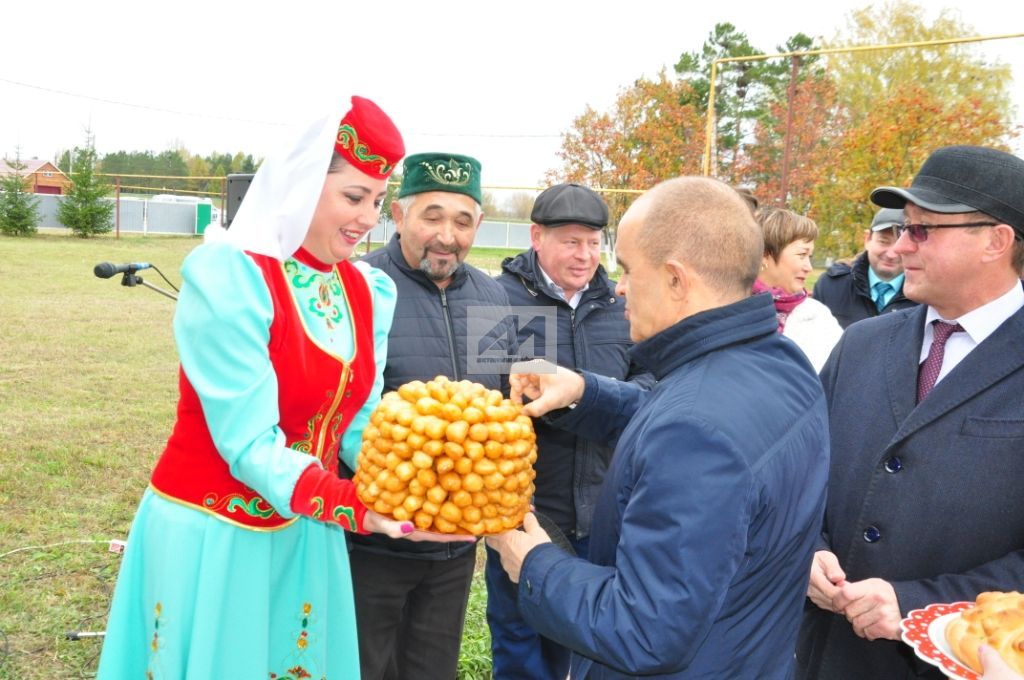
[(157, 269)]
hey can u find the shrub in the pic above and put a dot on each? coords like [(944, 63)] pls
[(19, 209), (85, 209)]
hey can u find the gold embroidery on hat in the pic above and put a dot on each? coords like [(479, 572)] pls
[(348, 138), (452, 172)]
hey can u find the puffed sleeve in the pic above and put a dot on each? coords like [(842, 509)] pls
[(384, 294), (222, 330)]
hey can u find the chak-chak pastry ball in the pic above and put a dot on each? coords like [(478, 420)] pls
[(452, 457)]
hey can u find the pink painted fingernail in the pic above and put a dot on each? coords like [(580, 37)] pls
[(408, 528)]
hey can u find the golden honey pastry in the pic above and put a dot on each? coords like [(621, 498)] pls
[(453, 457), (996, 619)]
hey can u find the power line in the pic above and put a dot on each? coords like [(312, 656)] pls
[(479, 134), (147, 107), (136, 106)]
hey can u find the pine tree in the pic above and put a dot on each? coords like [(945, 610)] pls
[(85, 209), (19, 209)]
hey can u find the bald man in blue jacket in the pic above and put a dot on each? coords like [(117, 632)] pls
[(707, 520)]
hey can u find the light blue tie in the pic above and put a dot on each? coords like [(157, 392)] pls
[(882, 292)]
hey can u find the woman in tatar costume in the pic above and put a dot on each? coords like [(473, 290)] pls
[(236, 565)]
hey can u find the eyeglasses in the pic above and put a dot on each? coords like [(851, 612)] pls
[(919, 232)]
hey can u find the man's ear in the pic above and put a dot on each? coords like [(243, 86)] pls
[(678, 279), (1000, 242), (535, 235), (397, 215)]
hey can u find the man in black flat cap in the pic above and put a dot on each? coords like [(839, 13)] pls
[(561, 271), (873, 283), (925, 501)]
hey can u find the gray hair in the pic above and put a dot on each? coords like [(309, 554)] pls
[(405, 203)]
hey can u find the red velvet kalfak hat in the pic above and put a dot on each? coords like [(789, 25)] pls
[(369, 140)]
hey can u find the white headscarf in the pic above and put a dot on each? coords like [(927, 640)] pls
[(278, 207)]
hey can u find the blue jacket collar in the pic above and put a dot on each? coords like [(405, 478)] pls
[(705, 332)]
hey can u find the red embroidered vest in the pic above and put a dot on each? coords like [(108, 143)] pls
[(318, 396)]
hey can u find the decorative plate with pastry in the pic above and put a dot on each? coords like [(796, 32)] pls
[(948, 635), (925, 631)]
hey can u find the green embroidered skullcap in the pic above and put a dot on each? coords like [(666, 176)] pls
[(452, 172)]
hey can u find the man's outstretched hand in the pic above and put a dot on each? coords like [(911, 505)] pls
[(548, 386)]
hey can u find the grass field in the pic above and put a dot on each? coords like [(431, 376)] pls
[(88, 386)]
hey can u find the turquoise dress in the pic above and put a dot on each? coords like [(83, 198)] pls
[(199, 597)]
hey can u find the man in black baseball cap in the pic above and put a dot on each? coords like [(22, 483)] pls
[(873, 283), (961, 195), (562, 274), (925, 502)]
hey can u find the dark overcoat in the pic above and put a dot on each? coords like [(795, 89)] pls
[(928, 496)]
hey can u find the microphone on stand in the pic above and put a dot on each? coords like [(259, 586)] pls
[(105, 270)]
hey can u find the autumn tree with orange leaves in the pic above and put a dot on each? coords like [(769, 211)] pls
[(651, 136), (869, 119), (816, 123), (887, 148), (900, 105)]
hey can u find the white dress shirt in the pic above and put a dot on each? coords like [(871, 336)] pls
[(978, 324), (574, 301)]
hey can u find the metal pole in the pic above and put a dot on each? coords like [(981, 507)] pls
[(709, 136), (117, 207), (790, 105), (223, 200)]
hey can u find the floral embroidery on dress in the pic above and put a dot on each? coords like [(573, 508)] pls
[(153, 670), (327, 287), (306, 445), (300, 668), (346, 513), (254, 507)]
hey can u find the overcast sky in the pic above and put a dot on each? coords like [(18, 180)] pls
[(499, 81)]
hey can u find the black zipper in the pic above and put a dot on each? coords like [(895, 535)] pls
[(451, 334)]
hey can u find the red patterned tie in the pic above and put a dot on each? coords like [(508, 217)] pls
[(933, 364)]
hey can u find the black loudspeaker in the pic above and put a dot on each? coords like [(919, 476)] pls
[(238, 184)]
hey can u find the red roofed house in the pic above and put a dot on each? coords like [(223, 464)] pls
[(42, 177)]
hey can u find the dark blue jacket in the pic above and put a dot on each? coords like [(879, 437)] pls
[(430, 337), (940, 483), (845, 290), (704, 530), (592, 337)]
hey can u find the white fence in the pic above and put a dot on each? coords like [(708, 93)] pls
[(138, 216)]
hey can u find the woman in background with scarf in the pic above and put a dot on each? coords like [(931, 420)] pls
[(788, 246)]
